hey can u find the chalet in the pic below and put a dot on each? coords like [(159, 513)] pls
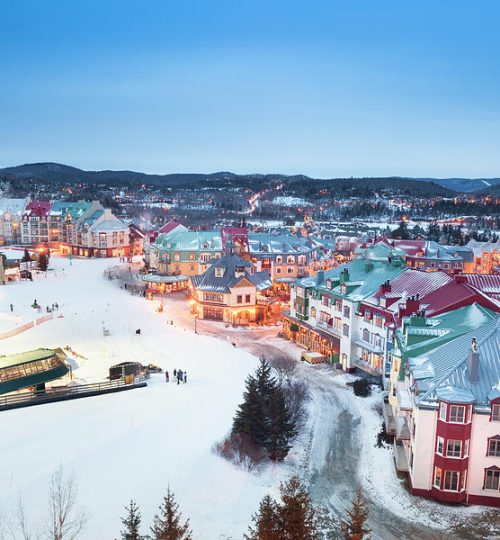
[(229, 291)]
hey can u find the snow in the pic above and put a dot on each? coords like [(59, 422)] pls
[(134, 443)]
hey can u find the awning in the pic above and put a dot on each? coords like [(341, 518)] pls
[(152, 278)]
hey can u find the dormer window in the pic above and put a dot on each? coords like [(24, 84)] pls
[(219, 272), (328, 283), (495, 413)]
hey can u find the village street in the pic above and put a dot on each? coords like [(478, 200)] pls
[(134, 443), (338, 448)]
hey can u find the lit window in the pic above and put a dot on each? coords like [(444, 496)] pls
[(437, 477)]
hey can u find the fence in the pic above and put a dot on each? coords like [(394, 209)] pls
[(63, 393), (26, 326)]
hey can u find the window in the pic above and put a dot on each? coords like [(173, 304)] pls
[(313, 312), (278, 270), (440, 445), (366, 335), (347, 311), (451, 480), (442, 411), (492, 478), (454, 449), (437, 477), (279, 259), (457, 414), (338, 305), (239, 299), (345, 330), (177, 256), (290, 259), (219, 272), (247, 299), (379, 321), (494, 446), (212, 297), (495, 413), (290, 270)]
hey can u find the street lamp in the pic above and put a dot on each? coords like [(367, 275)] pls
[(195, 321)]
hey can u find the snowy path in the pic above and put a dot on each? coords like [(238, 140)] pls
[(339, 453), (133, 444)]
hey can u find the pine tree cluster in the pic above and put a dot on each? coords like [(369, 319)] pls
[(292, 518), (168, 523), (264, 416)]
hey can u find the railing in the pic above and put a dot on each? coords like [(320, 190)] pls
[(329, 328), (66, 392), (27, 326)]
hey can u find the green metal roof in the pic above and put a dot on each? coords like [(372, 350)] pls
[(25, 357), (436, 331)]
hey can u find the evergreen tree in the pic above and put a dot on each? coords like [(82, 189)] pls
[(281, 429), (43, 262), (167, 524), (250, 417), (131, 522), (355, 529), (265, 522), (296, 514), (264, 415)]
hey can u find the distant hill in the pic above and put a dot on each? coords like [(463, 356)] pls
[(58, 173), (465, 185)]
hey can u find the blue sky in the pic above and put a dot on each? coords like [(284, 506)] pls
[(325, 88)]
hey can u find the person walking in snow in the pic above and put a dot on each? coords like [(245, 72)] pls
[(167, 378), (185, 377), (175, 373), (12, 307)]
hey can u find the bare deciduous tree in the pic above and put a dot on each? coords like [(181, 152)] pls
[(285, 368), (66, 520)]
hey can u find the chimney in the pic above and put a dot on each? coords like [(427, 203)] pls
[(473, 362), (320, 277), (459, 278), (344, 276), (385, 287), (368, 265), (412, 305)]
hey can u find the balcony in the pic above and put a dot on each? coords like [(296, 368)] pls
[(372, 347), (390, 422), (329, 328), (400, 458), (402, 428)]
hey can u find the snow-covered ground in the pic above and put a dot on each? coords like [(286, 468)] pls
[(135, 443)]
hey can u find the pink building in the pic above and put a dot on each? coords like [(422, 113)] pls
[(451, 407)]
